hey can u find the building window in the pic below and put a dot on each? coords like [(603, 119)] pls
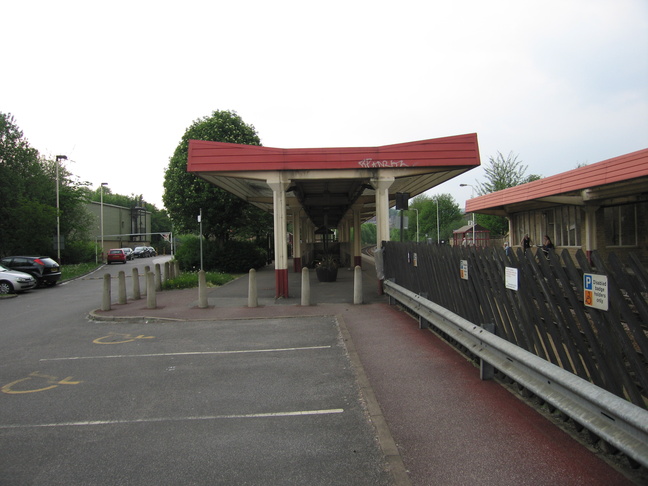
[(568, 226), (621, 225)]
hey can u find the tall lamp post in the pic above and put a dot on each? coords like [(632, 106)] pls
[(472, 195), (438, 232), (101, 218), (58, 209)]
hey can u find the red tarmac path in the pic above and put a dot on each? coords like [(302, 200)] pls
[(437, 422)]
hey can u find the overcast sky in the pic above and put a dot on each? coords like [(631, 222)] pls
[(114, 85)]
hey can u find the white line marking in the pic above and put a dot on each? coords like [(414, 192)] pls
[(179, 419), (190, 353)]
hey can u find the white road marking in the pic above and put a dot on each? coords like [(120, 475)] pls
[(189, 353), (178, 419)]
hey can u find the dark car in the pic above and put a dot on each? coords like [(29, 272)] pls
[(45, 270), (141, 252), (129, 253)]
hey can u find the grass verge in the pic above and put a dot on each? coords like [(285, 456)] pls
[(73, 271)]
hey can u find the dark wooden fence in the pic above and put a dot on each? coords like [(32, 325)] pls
[(546, 315)]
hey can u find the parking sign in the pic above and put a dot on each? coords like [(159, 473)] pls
[(595, 291)]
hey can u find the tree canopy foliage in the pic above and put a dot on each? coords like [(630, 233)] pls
[(223, 214), (28, 193), (501, 173), (449, 217)]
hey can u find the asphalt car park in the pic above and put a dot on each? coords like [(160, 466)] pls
[(254, 401)]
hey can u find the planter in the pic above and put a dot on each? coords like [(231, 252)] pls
[(326, 274)]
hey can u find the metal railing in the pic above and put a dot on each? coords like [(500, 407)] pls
[(613, 419)]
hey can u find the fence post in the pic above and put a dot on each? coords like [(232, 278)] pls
[(136, 285), (253, 300), (305, 286), (167, 271), (121, 280), (486, 370), (105, 302)]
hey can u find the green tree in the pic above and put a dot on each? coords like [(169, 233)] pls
[(449, 217), (28, 184), (223, 214), (501, 173)]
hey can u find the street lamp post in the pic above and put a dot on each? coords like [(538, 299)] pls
[(438, 232), (102, 222), (417, 225), (58, 209), (472, 195)]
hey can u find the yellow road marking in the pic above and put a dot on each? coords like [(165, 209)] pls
[(127, 338), (53, 382)]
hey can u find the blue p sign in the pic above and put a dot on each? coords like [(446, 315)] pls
[(588, 282)]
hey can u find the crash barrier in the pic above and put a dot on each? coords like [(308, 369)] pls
[(614, 420)]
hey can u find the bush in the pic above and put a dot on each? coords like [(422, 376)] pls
[(231, 257), (190, 280)]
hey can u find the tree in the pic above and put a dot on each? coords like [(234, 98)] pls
[(28, 183), (223, 214), (501, 173), (449, 216)]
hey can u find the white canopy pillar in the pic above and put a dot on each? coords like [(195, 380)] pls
[(381, 185), (279, 185), (357, 238), (297, 244)]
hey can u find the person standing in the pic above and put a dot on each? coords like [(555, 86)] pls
[(526, 242)]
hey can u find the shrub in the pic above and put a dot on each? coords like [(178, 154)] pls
[(231, 257)]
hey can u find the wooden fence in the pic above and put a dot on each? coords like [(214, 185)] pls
[(546, 315)]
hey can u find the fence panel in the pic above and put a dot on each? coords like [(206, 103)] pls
[(546, 315)]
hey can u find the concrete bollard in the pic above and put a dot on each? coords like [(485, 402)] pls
[(253, 300), (147, 269), (158, 277), (176, 266), (136, 285), (151, 298), (202, 290), (172, 269), (357, 285), (305, 286), (167, 271), (121, 287), (105, 301)]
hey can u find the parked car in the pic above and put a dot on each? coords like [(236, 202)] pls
[(45, 270), (129, 253), (12, 281), (151, 251), (116, 255), (140, 252)]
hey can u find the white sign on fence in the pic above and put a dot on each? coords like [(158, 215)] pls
[(595, 291), (463, 269), (511, 278)]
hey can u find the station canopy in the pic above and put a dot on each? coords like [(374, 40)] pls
[(327, 182)]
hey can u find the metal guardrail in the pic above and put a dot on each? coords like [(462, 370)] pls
[(611, 418)]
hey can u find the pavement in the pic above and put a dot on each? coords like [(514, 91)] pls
[(437, 423)]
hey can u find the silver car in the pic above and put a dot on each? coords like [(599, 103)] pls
[(13, 281)]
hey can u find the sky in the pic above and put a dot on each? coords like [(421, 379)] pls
[(113, 86)]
